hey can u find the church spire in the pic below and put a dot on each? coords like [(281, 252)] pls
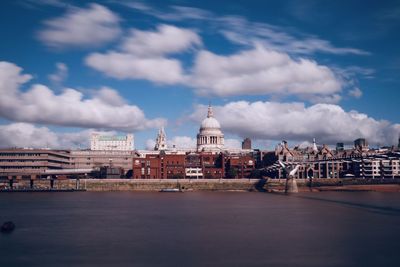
[(210, 112), (314, 147), (161, 141)]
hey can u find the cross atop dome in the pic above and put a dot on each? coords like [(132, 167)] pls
[(210, 112)]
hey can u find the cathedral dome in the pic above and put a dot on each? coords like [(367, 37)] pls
[(210, 123), (210, 136)]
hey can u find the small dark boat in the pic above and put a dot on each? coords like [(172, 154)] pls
[(7, 227)]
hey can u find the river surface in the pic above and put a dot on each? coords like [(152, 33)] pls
[(201, 229)]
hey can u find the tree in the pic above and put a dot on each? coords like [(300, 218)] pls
[(255, 174), (232, 173)]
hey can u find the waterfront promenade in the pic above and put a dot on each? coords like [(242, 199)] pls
[(266, 185)]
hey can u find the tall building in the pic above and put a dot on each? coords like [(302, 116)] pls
[(210, 137), (398, 145), (107, 142), (246, 144), (339, 147), (161, 140), (361, 144)]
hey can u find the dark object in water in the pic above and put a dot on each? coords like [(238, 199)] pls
[(7, 227)]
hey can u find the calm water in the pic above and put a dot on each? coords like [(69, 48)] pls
[(201, 229)]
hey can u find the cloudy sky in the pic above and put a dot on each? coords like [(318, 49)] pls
[(273, 70)]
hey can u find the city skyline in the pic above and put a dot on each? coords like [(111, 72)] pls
[(69, 69)]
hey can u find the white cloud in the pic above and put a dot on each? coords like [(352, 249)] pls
[(295, 121), (166, 40), (26, 135), (184, 142), (150, 143), (143, 55), (60, 75), (232, 143), (261, 71), (355, 92), (109, 96), (29, 135), (127, 66), (79, 27), (39, 104)]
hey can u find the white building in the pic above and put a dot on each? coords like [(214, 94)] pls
[(107, 142), (210, 137)]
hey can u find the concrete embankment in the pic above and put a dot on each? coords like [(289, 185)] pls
[(206, 184)]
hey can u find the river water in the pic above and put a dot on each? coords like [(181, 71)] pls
[(201, 229)]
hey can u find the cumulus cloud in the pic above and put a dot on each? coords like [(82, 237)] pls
[(60, 74), (295, 121), (184, 142), (26, 135), (29, 135), (232, 143), (91, 26), (166, 39), (127, 66), (261, 71), (150, 143), (39, 104), (257, 71), (355, 92), (144, 54), (109, 96)]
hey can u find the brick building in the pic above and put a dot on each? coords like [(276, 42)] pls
[(177, 165), (240, 165), (162, 165)]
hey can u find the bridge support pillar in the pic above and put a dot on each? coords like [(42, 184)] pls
[(291, 186)]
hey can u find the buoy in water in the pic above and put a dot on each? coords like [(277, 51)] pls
[(7, 227)]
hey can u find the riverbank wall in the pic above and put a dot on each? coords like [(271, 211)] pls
[(189, 184)]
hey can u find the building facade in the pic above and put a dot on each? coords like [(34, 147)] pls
[(32, 161), (106, 142), (92, 159), (322, 162), (162, 165)]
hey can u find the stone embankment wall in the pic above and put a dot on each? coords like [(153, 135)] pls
[(185, 184)]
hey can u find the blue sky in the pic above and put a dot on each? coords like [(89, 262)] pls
[(272, 70)]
